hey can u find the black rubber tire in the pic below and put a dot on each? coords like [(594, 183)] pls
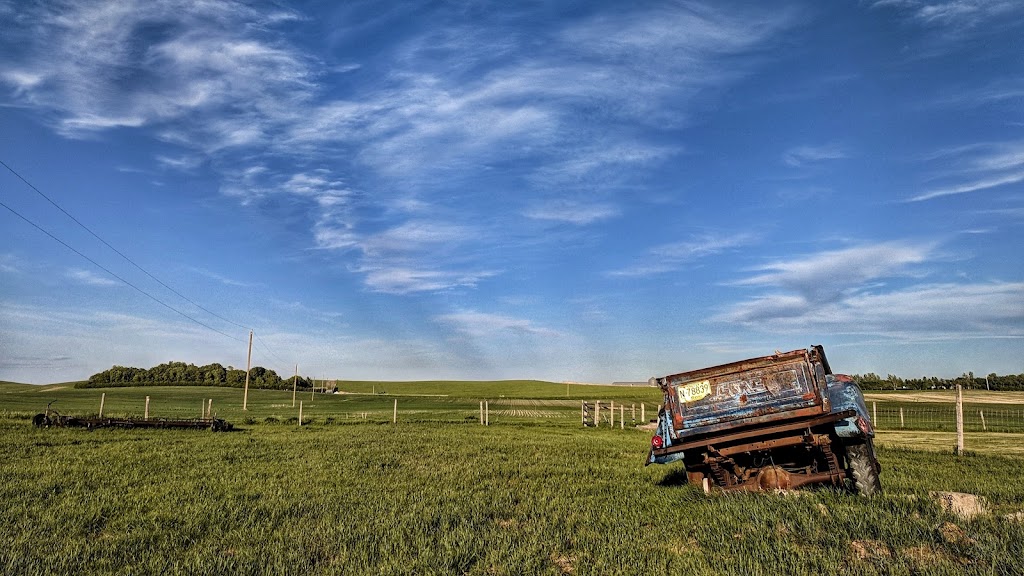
[(864, 468)]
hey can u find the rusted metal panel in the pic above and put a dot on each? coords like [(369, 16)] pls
[(774, 422), (711, 397), (757, 432)]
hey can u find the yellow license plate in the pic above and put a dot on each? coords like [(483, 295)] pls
[(694, 391)]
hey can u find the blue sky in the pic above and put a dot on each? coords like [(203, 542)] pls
[(585, 191)]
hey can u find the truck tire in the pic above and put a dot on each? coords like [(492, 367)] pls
[(864, 468)]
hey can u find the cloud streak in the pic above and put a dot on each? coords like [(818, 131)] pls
[(673, 256), (482, 324), (458, 105), (90, 278), (829, 275), (804, 155), (930, 311), (978, 167), (953, 13), (844, 292)]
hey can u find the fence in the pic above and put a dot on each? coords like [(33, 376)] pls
[(613, 415), (976, 418)]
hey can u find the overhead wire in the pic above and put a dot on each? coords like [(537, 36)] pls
[(108, 271), (266, 349), (116, 251), (132, 262)]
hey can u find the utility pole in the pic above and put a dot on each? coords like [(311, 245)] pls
[(295, 384), (248, 365), (959, 420)]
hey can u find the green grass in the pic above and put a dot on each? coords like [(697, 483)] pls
[(439, 494), (417, 402), (440, 498)]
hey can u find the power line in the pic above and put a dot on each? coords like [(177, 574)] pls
[(266, 349), (133, 263), (101, 267), (118, 252)]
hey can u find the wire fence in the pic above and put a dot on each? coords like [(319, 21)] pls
[(943, 418)]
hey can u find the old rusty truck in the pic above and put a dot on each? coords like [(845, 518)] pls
[(777, 422)]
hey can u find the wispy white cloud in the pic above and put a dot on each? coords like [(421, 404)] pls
[(481, 324), (942, 311), (675, 255), (221, 278), (457, 103), (398, 280), (90, 278), (999, 92), (130, 64), (571, 212), (416, 236), (953, 13), (184, 162), (411, 257), (845, 292), (10, 264), (977, 167), (829, 275), (972, 186), (804, 155)]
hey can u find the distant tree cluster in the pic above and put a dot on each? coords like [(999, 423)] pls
[(872, 381), (182, 374)]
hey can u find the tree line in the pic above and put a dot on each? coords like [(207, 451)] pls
[(968, 380), (182, 374)]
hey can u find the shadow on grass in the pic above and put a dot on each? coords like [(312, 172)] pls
[(675, 477)]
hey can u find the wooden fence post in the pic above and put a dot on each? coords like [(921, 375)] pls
[(622, 417), (394, 416), (612, 417), (634, 414), (583, 412), (147, 408), (983, 426), (300, 413), (643, 416), (597, 414), (481, 412), (959, 419), (874, 413), (901, 416), (103, 397), (209, 408), (487, 412)]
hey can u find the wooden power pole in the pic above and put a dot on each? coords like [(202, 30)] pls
[(248, 365), (295, 384), (959, 420)]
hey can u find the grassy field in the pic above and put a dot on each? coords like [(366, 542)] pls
[(417, 401), (439, 494)]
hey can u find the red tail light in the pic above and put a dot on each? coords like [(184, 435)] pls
[(657, 442), (864, 425)]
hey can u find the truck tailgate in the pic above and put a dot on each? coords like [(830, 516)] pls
[(773, 384)]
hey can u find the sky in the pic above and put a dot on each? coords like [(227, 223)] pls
[(589, 191)]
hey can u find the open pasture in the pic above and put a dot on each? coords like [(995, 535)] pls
[(442, 498), (370, 401), (1014, 399), (437, 493)]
